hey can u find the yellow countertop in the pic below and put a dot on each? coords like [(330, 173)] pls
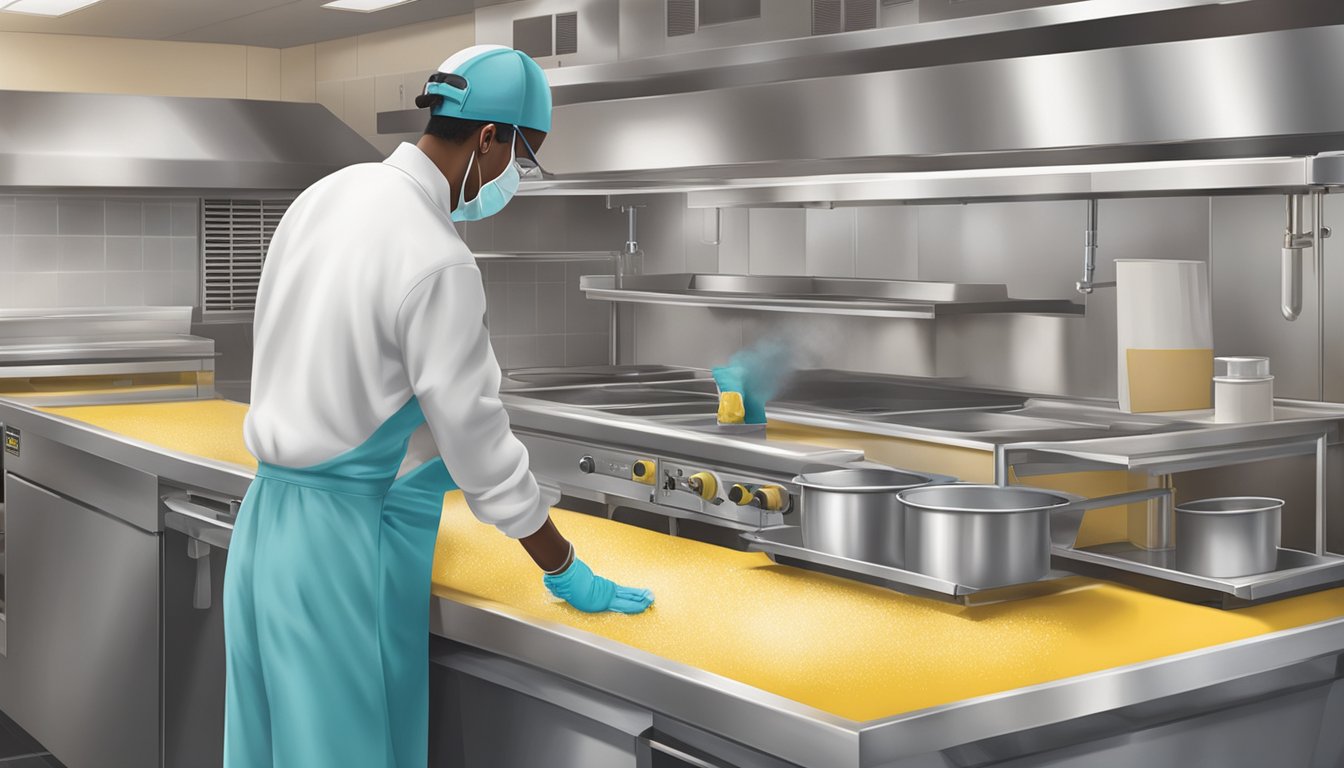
[(853, 650)]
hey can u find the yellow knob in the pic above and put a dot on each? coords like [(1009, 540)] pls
[(771, 497), (740, 495), (644, 471), (704, 484), (731, 409)]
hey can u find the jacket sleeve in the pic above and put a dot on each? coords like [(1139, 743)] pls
[(445, 347)]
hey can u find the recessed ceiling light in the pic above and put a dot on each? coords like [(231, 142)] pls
[(361, 6), (45, 7)]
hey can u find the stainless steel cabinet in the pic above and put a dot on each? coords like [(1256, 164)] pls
[(83, 615)]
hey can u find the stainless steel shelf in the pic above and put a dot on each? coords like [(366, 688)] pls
[(813, 295), (547, 256), (786, 543), (1296, 571)]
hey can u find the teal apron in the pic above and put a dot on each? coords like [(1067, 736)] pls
[(326, 609)]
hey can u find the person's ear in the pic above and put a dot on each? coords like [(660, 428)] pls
[(487, 138)]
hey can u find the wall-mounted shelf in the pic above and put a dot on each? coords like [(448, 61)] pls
[(906, 299)]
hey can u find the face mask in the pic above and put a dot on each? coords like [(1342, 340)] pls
[(493, 195)]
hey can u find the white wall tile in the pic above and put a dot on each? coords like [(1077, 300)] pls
[(80, 216), (125, 289), (124, 253), (186, 254), (158, 253), (586, 349), (82, 254), (125, 217), (36, 290), (158, 288), (550, 350), (158, 218), (186, 217), (36, 253), (550, 307), (36, 216), (522, 315), (185, 289), (7, 216), (81, 290), (6, 255), (777, 241)]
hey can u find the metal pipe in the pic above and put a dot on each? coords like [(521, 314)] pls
[(1087, 284), (1294, 240), (1321, 232)]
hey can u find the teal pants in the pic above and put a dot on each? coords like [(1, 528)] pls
[(326, 610)]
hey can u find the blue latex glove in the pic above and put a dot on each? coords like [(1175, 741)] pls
[(579, 587)]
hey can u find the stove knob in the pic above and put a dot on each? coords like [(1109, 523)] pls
[(740, 495), (587, 466), (771, 498), (704, 485), (643, 471)]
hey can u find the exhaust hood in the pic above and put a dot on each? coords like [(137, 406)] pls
[(79, 140)]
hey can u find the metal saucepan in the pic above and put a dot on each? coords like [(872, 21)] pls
[(1233, 536), (854, 513), (987, 536)]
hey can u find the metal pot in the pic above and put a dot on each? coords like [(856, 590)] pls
[(854, 513), (1225, 537), (979, 535)]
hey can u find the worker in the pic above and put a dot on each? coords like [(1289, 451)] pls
[(370, 337)]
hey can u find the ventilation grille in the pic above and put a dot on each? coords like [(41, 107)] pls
[(566, 33), (826, 17), (860, 14), (680, 17), (533, 36), (236, 234)]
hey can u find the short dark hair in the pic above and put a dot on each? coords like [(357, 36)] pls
[(456, 129)]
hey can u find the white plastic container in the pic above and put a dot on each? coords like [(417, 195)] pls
[(1243, 393), (1164, 335)]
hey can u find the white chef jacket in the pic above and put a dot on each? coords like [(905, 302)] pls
[(369, 296)]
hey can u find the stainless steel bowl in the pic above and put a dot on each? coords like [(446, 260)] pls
[(981, 536), (854, 512), (1232, 536)]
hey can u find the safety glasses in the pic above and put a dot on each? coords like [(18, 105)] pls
[(529, 167)]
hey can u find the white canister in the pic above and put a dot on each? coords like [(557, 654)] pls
[(1244, 391), (1164, 335)]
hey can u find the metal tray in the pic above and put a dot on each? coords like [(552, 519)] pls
[(1296, 572), (785, 545)]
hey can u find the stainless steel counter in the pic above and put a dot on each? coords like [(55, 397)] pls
[(680, 697)]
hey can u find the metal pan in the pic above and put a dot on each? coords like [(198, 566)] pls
[(854, 513), (988, 536), (1232, 536)]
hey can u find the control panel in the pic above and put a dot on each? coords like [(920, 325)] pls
[(651, 482)]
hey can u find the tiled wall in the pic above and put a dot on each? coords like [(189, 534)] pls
[(537, 314), (73, 251)]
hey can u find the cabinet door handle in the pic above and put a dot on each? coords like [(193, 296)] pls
[(692, 760)]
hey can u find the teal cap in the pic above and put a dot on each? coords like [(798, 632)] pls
[(503, 86)]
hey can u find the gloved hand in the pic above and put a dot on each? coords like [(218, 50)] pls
[(578, 586)]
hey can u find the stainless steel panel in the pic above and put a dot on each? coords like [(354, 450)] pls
[(1228, 537), (83, 618), (937, 10), (784, 51), (106, 484), (1139, 103), (170, 142), (193, 652), (550, 720)]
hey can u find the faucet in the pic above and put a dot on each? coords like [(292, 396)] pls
[(1297, 238), (1087, 284)]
